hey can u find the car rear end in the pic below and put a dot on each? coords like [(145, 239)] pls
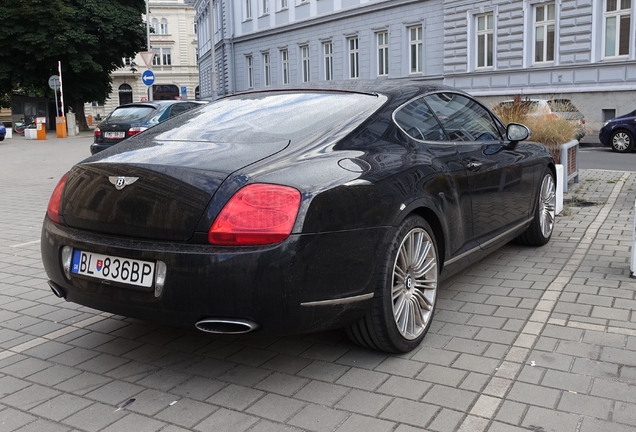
[(125, 121), (564, 108)]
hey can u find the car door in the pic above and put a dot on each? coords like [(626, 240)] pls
[(499, 175), (433, 151)]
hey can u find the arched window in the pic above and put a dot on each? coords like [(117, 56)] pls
[(125, 94), (164, 26), (155, 25)]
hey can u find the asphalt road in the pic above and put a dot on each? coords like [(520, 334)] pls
[(595, 156)]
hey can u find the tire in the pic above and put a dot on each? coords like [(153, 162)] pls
[(622, 141), (405, 292), (540, 230)]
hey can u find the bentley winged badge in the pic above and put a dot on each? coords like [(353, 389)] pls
[(121, 182)]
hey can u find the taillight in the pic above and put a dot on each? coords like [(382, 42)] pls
[(135, 130), (258, 214), (53, 209), (97, 133)]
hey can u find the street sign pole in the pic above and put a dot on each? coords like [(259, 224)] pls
[(54, 84), (150, 98)]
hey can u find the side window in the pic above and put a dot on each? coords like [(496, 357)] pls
[(178, 109), (463, 118), (417, 120)]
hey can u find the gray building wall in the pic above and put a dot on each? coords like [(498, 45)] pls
[(578, 72), (361, 20)]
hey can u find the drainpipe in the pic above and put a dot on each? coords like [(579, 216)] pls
[(212, 49), (232, 68)]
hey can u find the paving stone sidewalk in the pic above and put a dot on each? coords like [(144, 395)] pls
[(540, 339)]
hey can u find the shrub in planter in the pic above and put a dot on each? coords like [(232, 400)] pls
[(547, 129)]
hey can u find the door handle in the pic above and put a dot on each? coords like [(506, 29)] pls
[(473, 166)]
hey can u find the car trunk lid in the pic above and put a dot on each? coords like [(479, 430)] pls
[(155, 192)]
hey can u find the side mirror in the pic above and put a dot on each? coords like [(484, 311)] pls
[(516, 132)]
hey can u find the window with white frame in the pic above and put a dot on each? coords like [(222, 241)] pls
[(304, 54), (284, 58), (267, 70), (284, 4), (616, 27), (328, 49), (264, 7), (163, 29), (415, 49), (485, 34), (248, 9), (162, 57), (250, 72), (166, 57), (154, 25), (544, 27), (354, 67), (383, 53), (195, 27)]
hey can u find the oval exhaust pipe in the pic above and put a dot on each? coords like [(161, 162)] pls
[(226, 326), (57, 290)]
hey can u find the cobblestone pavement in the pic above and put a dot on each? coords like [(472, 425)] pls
[(540, 339)]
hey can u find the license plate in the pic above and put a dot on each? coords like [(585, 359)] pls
[(112, 268), (114, 134)]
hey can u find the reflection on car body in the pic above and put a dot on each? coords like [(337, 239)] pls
[(339, 205)]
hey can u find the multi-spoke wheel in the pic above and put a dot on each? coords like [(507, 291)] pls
[(414, 283), (622, 141), (404, 300), (540, 230)]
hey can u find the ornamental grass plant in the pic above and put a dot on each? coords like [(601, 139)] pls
[(547, 128)]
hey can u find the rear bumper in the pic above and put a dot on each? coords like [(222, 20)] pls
[(278, 287), (97, 147)]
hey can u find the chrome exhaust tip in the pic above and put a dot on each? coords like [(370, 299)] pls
[(57, 290), (227, 326)]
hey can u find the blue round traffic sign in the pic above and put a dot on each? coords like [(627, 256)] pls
[(148, 77)]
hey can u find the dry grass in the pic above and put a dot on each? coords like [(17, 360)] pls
[(549, 129)]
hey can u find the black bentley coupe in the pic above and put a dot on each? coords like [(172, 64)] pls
[(299, 209)]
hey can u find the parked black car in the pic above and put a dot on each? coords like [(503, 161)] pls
[(130, 119), (618, 133), (297, 210)]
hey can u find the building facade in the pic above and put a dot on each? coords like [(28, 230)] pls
[(584, 50), (174, 41)]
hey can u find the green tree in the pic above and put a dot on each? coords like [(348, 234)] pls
[(89, 37)]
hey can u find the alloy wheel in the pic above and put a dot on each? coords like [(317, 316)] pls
[(414, 284), (547, 205)]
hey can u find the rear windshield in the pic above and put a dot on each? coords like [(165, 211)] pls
[(273, 116), (130, 113)]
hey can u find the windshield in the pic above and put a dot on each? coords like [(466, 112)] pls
[(273, 116)]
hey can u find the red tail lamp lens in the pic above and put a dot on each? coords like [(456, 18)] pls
[(135, 130), (98, 132), (257, 214), (53, 209)]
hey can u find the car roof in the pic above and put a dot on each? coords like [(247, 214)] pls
[(398, 87)]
